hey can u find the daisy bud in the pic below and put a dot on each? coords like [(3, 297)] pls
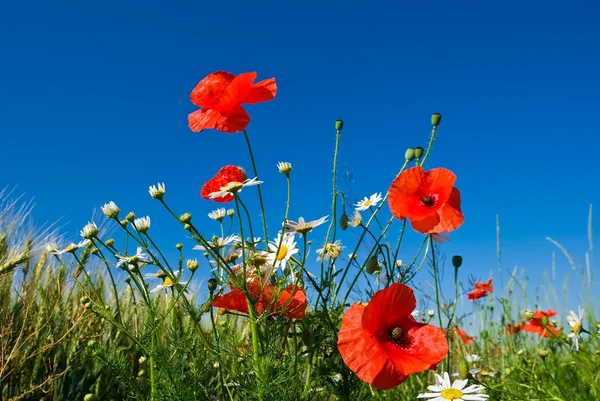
[(436, 119), (484, 334), (89, 231), (89, 397), (284, 167), (212, 285), (192, 264), (94, 251), (157, 191), (418, 152), (527, 314), (463, 369), (110, 210), (372, 265), (339, 124), (142, 224), (124, 223), (187, 227), (130, 217), (543, 353), (179, 246), (430, 312), (230, 212), (141, 373), (142, 360), (409, 155), (185, 218), (110, 242), (457, 261), (84, 300), (216, 365), (344, 221)]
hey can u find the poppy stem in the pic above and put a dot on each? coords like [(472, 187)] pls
[(260, 199), (437, 289), (429, 146)]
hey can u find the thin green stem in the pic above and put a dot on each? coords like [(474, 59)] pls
[(437, 288), (260, 198), (429, 146)]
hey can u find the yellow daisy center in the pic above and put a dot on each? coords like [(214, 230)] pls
[(576, 328), (451, 394), (168, 282), (367, 203), (283, 250)]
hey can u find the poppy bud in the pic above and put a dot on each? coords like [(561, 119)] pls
[(436, 119), (339, 124), (484, 334), (457, 261), (543, 353), (463, 369), (372, 265), (344, 221), (409, 155), (212, 285), (418, 152)]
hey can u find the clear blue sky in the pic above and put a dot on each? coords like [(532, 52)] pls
[(95, 96)]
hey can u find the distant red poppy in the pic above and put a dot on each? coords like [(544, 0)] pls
[(516, 329), (539, 324), (291, 302), (462, 335), (382, 343), (220, 97), (429, 199), (481, 290), (225, 175)]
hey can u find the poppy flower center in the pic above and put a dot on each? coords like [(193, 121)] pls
[(396, 334), (283, 250), (451, 394), (429, 200)]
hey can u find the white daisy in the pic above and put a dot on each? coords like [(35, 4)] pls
[(89, 231), (234, 187), (139, 256), (574, 321), (472, 358), (331, 250), (284, 167), (443, 390), (430, 313), (168, 283), (488, 373), (302, 227), (281, 250), (72, 247), (219, 242), (366, 203), (218, 214), (356, 219), (157, 191), (142, 224), (110, 210)]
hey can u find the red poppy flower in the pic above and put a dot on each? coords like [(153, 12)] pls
[(464, 337), (225, 175), (220, 97), (429, 199), (481, 290), (382, 343), (487, 286), (291, 302), (539, 324), (510, 329)]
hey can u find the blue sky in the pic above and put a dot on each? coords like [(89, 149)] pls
[(95, 97)]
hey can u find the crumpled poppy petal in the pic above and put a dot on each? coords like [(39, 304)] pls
[(230, 121), (405, 192), (262, 92), (291, 302), (234, 300), (240, 87), (211, 89), (388, 307), (428, 346), (362, 353), (450, 215), (428, 225)]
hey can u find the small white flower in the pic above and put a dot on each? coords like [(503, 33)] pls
[(415, 314), (52, 248), (366, 203), (356, 219), (337, 377), (72, 247), (110, 210), (487, 373), (284, 167), (139, 256), (168, 283), (430, 313), (89, 231), (331, 250), (398, 264), (218, 214), (230, 212), (234, 187), (157, 191), (142, 224), (219, 242), (574, 321), (475, 371), (192, 264), (444, 390), (281, 250), (472, 358), (302, 227)]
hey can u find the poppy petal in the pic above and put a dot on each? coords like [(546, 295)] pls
[(263, 91), (405, 192), (388, 307), (234, 300), (211, 89), (450, 215), (428, 346), (428, 225), (240, 87), (231, 121), (441, 182), (292, 302), (363, 354)]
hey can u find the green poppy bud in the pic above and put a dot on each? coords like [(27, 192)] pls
[(409, 155), (212, 285), (419, 152), (344, 221), (339, 124), (436, 119), (484, 334), (457, 261), (372, 265)]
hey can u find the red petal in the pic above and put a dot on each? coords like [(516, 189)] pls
[(428, 346), (440, 181), (292, 302), (210, 90), (428, 225), (363, 354), (262, 91), (405, 192), (234, 300), (240, 87), (231, 121), (388, 307)]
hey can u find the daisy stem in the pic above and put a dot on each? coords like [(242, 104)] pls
[(437, 290), (289, 197), (260, 199), (433, 131)]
